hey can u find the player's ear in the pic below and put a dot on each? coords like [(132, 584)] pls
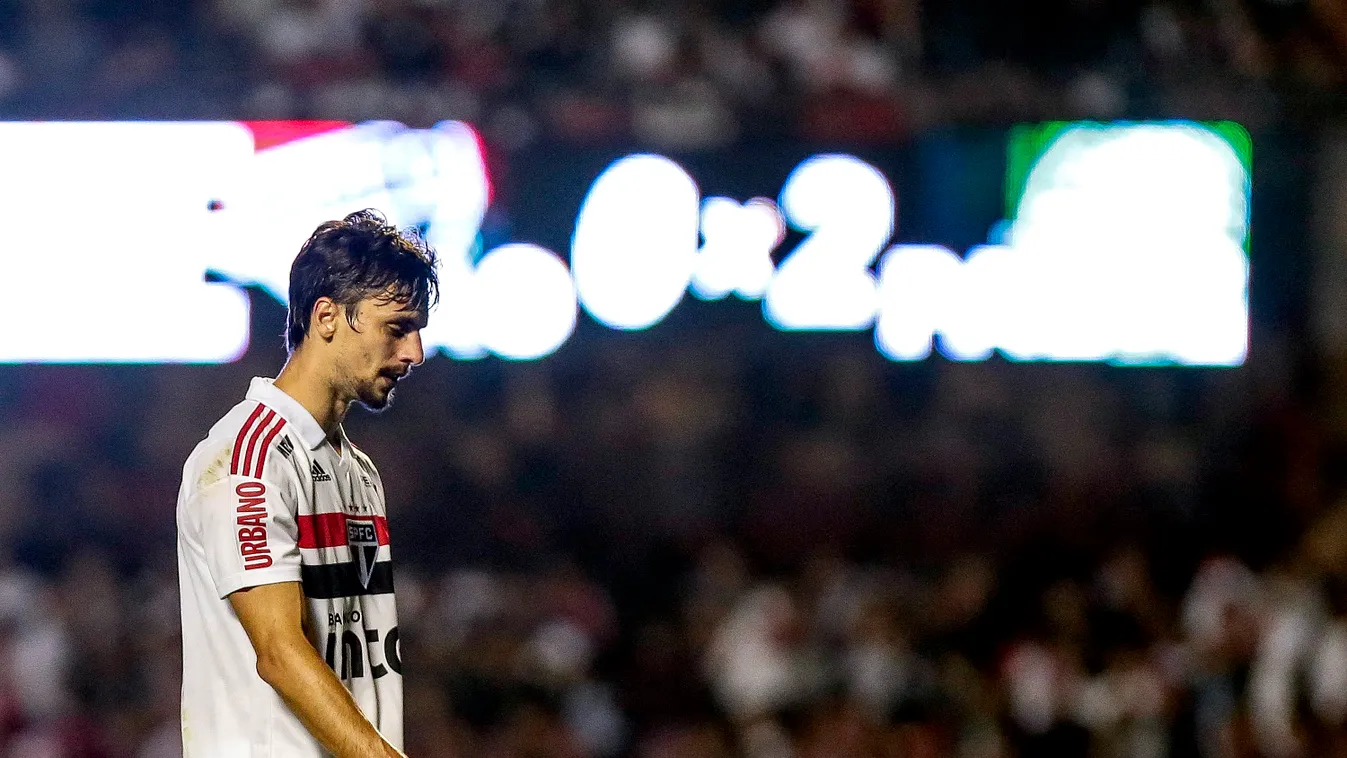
[(324, 318)]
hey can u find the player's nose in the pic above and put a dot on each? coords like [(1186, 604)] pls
[(413, 353)]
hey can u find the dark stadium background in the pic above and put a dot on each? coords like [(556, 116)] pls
[(712, 538)]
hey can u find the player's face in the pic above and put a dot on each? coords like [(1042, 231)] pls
[(381, 348)]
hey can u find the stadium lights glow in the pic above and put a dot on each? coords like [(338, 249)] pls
[(525, 301), (1125, 244), (847, 207), (1127, 247), (635, 242), (736, 256), (103, 249)]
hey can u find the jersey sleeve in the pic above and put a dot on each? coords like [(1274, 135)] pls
[(249, 532)]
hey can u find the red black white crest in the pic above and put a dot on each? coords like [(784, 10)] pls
[(363, 540)]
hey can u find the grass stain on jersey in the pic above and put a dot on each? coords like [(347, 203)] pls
[(217, 470)]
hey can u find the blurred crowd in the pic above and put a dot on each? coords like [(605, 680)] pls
[(711, 546), (671, 74), (722, 541)]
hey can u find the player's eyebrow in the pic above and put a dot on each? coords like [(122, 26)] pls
[(409, 319)]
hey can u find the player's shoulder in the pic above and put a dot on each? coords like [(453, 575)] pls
[(252, 440)]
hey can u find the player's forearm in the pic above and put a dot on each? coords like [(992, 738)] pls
[(321, 703)]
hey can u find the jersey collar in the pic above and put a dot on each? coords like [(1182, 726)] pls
[(263, 390)]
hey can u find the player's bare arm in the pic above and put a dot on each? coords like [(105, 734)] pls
[(272, 615)]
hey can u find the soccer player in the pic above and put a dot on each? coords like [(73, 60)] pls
[(289, 627)]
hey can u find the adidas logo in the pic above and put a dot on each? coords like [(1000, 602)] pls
[(319, 475), (286, 447), (367, 482)]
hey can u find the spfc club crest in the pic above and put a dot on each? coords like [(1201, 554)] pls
[(364, 543)]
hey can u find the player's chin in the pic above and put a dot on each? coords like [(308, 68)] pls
[(375, 397)]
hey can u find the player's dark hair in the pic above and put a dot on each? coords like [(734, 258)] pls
[(357, 257)]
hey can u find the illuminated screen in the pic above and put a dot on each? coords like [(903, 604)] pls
[(1124, 243)]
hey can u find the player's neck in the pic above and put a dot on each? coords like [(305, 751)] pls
[(311, 389)]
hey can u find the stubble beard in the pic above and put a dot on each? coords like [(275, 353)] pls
[(375, 398)]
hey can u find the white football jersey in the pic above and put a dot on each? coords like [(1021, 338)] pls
[(266, 498)]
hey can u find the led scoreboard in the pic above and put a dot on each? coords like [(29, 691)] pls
[(1124, 243)]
